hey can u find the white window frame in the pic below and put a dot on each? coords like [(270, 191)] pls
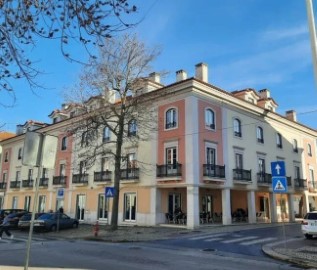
[(173, 118), (260, 134), (237, 129), (210, 119)]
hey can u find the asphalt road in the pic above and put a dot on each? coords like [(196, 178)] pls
[(122, 256), (197, 250), (244, 242)]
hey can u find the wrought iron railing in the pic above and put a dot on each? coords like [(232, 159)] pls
[(102, 176), (241, 175), (80, 178), (212, 170), (59, 180), (169, 170), (128, 174), (264, 178)]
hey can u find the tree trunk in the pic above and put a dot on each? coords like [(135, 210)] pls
[(117, 177)]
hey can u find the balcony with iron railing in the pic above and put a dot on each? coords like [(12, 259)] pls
[(59, 180), (27, 183), (129, 174), (80, 179), (264, 178), (242, 175), (300, 183), (103, 176), (15, 184), (3, 185), (169, 170), (43, 182), (214, 171)]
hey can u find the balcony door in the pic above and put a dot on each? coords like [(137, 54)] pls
[(129, 206), (174, 202), (80, 206), (211, 160), (102, 207), (171, 160)]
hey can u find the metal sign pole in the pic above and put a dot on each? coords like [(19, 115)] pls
[(27, 257)]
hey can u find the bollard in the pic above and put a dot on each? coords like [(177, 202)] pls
[(96, 228)]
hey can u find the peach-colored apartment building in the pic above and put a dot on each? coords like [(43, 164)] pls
[(210, 157)]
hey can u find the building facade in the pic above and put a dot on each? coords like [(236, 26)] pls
[(209, 157)]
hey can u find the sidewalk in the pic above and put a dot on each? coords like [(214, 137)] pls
[(293, 251)]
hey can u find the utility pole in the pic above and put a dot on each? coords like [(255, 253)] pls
[(312, 31)]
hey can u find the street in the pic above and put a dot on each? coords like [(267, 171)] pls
[(198, 250)]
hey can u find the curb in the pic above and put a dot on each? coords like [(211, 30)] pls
[(268, 249)]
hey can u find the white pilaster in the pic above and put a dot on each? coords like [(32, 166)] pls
[(226, 207), (307, 202), (192, 207), (192, 141), (251, 207), (192, 161), (291, 213)]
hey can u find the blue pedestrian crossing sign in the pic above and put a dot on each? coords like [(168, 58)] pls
[(109, 192), (279, 184)]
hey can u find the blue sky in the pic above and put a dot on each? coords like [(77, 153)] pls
[(246, 44)]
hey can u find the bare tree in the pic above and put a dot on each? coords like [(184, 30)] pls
[(112, 100), (24, 22)]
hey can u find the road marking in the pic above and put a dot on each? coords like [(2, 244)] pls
[(240, 239), (262, 240), (212, 239), (206, 236)]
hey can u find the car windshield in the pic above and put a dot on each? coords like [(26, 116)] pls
[(311, 216)]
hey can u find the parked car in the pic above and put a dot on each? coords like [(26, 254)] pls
[(12, 211), (54, 221), (15, 217), (24, 221), (309, 224)]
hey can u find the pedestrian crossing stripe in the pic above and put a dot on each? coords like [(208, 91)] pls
[(279, 186)]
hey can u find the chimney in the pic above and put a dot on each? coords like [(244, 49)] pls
[(155, 77), (202, 72), (181, 75), (291, 115), (264, 93)]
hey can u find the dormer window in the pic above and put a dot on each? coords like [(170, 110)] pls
[(251, 100), (171, 118), (210, 119)]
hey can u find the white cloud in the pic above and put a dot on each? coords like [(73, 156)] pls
[(284, 33), (268, 67)]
